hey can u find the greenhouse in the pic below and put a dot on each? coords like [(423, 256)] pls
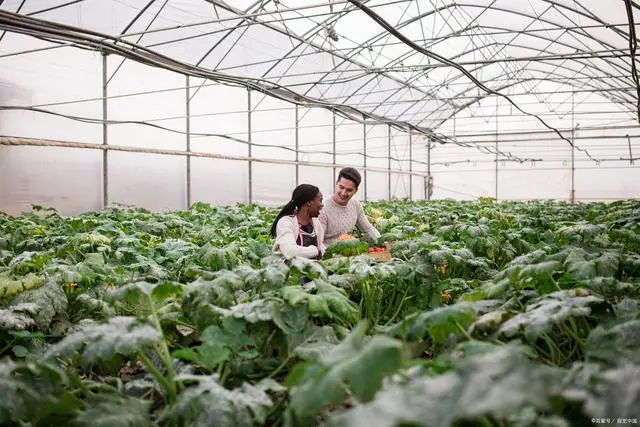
[(352, 213)]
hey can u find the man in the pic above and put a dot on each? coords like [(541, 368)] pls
[(342, 212)]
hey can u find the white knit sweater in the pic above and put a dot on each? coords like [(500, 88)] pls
[(338, 219), (287, 231)]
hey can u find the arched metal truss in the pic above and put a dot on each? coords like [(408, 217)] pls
[(330, 54)]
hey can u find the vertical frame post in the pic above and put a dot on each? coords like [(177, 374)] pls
[(389, 159), (105, 140), (364, 155), (572, 195), (250, 165), (428, 189), (188, 138), (497, 137), (410, 167), (297, 147), (334, 148)]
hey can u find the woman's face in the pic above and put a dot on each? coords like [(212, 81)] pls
[(345, 189), (315, 206)]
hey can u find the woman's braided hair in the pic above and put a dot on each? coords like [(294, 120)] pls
[(302, 194)]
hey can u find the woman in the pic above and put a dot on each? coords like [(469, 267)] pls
[(296, 228)]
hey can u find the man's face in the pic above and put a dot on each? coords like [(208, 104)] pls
[(345, 189), (315, 206)]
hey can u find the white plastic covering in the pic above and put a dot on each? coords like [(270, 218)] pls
[(348, 87)]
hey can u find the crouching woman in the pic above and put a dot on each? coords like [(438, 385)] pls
[(296, 229)]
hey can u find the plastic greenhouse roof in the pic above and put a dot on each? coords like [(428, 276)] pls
[(409, 63)]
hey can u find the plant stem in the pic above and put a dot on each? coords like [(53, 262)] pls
[(225, 374), (402, 301), (279, 368), (169, 386), (164, 353), (6, 347), (464, 331)]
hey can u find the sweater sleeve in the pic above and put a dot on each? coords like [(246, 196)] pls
[(286, 241), (320, 230), (365, 226)]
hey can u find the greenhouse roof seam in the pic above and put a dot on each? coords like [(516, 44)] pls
[(46, 29)]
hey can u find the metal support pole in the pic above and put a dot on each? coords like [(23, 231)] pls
[(630, 154), (410, 168), (364, 156), (572, 195), (297, 145), (428, 189), (334, 147), (389, 159), (497, 135), (105, 153), (249, 145), (188, 138)]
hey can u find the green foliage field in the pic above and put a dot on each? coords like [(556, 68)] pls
[(488, 314)]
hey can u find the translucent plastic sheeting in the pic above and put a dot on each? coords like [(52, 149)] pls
[(273, 184), (315, 135), (218, 110), (530, 182), (461, 183), (320, 177), (158, 102), (53, 81), (350, 147), (418, 187), (590, 185), (377, 186), (400, 186), (216, 181), (64, 178), (150, 181), (272, 128)]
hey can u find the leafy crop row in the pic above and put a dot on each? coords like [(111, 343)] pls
[(492, 314)]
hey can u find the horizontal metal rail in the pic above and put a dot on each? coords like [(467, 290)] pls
[(34, 142)]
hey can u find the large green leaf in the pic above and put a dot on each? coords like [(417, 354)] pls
[(357, 364), (314, 342), (439, 323), (9, 287), (612, 346), (260, 310), (323, 300), (49, 298), (115, 412), (19, 317), (231, 333), (209, 404), (308, 268), (543, 313), (120, 335), (35, 393), (613, 393), (304, 339), (159, 291), (496, 383), (617, 393)]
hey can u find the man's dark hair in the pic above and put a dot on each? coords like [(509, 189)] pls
[(351, 174)]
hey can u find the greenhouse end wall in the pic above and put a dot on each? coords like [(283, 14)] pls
[(150, 119)]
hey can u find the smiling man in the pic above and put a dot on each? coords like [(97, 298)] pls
[(342, 212)]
